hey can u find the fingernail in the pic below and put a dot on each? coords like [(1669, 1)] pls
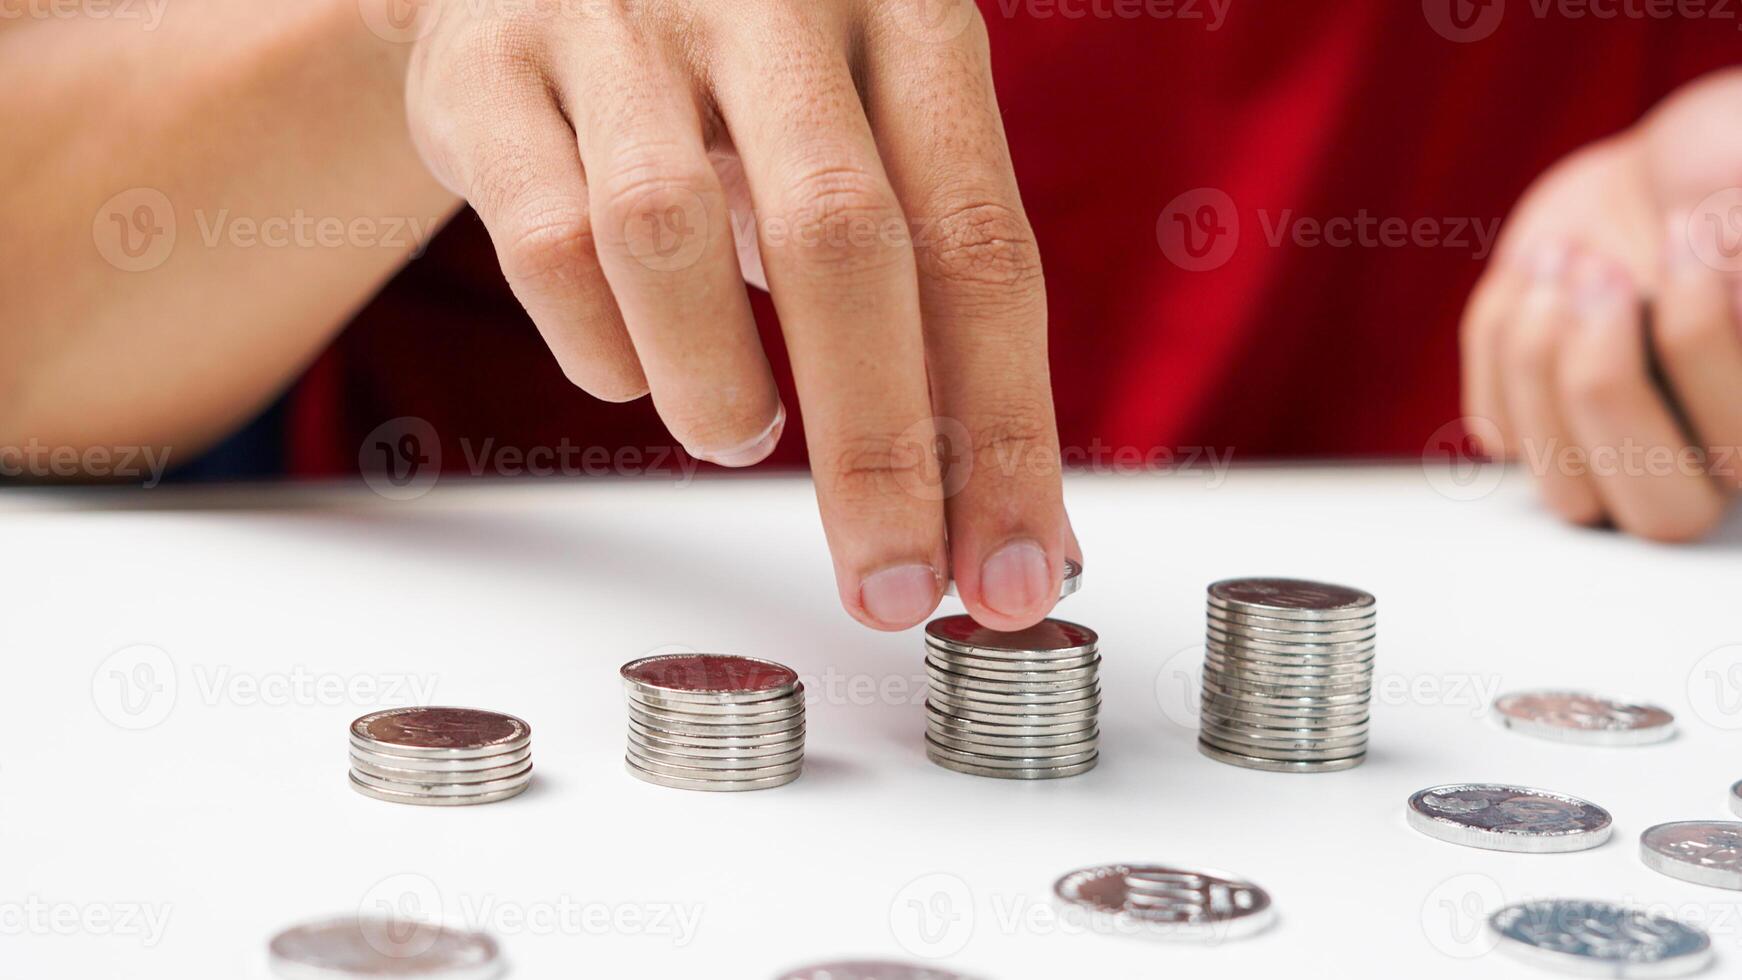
[(1015, 579), (900, 596), (754, 451)]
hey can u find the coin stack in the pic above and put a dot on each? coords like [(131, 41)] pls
[(713, 722), (440, 756), (1288, 675), (1012, 705)]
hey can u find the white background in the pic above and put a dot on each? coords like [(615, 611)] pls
[(231, 815)]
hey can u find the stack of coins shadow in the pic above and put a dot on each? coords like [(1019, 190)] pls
[(714, 722), (1288, 675), (1017, 705), (440, 756)]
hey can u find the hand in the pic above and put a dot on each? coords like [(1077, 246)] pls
[(1604, 346), (614, 148)]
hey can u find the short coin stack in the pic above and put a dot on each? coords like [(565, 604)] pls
[(714, 722), (440, 756), (1288, 675), (1017, 705)]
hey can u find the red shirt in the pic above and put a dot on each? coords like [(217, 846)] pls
[(1258, 231)]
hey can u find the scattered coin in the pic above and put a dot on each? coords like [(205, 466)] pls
[(1017, 705), (1165, 902), (351, 947), (869, 970), (714, 722), (1736, 798), (1509, 818), (1072, 581), (1705, 852), (1288, 675), (1600, 939), (440, 756), (1586, 719)]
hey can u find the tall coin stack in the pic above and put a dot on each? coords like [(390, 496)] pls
[(1012, 705), (1288, 675), (714, 722), (440, 756)]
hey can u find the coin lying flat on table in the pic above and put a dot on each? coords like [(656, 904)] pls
[(1585, 719), (1168, 903), (440, 756), (1288, 674), (360, 946), (713, 722), (869, 970), (1705, 852), (1509, 818), (1600, 939), (1072, 581), (1020, 705)]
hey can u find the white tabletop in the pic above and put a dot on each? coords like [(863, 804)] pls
[(177, 849)]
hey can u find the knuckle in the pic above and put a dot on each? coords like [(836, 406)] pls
[(1591, 384), (981, 243), (548, 246), (1534, 350), (1017, 436), (841, 216), (652, 182), (866, 468)]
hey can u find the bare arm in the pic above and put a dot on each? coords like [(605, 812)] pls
[(193, 208)]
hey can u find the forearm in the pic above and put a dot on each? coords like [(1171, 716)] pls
[(273, 134)]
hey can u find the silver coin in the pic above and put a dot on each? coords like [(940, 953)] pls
[(1736, 798), (443, 789), (1273, 765), (1072, 581), (1600, 939), (440, 733), (426, 776), (781, 702), (1048, 638), (677, 746), (956, 661), (1571, 716), (1498, 817), (1292, 717), (1286, 703), (1323, 645), (1040, 759), (995, 712), (1287, 598), (995, 772), (1705, 852), (783, 712), (422, 799), (715, 761), (1288, 749), (1037, 672), (869, 970), (1169, 903), (717, 741), (1254, 680), (671, 727), (1245, 748), (710, 772), (1243, 661), (980, 736), (411, 763), (1281, 738), (1022, 750), (709, 785), (1306, 629), (709, 677), (997, 728), (367, 946), (963, 692), (1039, 688)]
